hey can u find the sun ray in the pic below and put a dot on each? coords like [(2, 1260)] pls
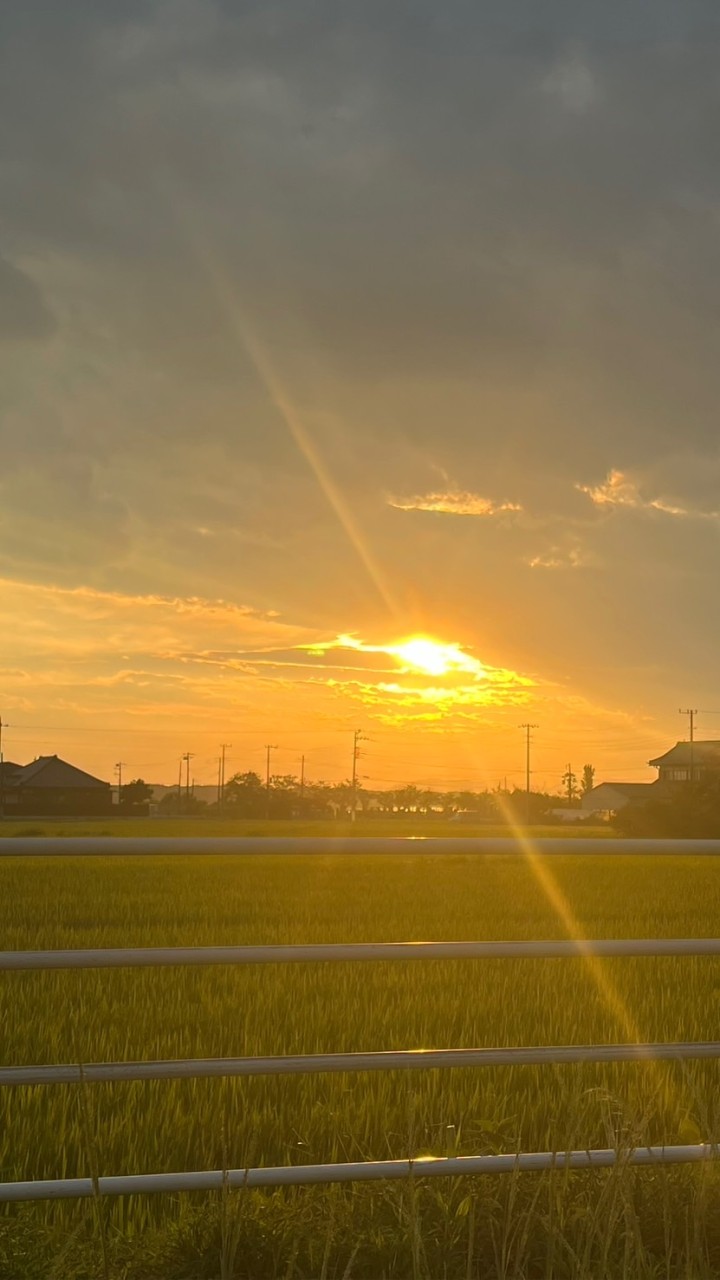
[(247, 337), (614, 1002)]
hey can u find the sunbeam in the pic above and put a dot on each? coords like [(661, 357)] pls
[(248, 339)]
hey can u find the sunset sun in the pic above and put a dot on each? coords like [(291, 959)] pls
[(431, 657)]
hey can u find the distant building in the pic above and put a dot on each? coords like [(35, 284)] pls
[(50, 787), (702, 759), (567, 815), (609, 797), (684, 762)]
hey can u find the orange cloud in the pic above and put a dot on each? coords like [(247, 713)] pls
[(556, 558), (428, 672), (453, 503), (620, 490)]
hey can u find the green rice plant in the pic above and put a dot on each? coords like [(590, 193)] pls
[(623, 1221)]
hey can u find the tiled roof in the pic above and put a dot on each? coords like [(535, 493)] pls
[(52, 772), (703, 752)]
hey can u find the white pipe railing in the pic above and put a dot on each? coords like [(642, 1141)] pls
[(363, 1171), (102, 846), (130, 957), (388, 1060), (553, 948)]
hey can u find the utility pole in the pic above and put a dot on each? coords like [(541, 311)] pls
[(118, 770), (189, 755), (302, 779), (527, 728), (357, 739), (180, 784), (221, 795), (219, 783), (3, 725), (692, 714), (268, 749)]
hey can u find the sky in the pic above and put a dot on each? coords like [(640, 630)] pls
[(327, 325)]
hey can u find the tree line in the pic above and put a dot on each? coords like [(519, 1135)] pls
[(247, 795)]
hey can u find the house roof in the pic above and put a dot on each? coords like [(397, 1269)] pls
[(629, 789), (52, 772), (703, 752), (615, 795)]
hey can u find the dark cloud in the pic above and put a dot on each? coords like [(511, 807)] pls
[(24, 314), (481, 236), (419, 190)]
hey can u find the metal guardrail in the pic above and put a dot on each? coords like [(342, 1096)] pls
[(124, 957), (387, 1060), (434, 846), (158, 957), (364, 1171)]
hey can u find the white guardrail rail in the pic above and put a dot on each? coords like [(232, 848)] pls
[(285, 846), (306, 1064)]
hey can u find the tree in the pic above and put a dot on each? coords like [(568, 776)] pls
[(135, 796), (570, 786), (680, 812), (587, 781), (521, 807), (407, 799), (174, 803), (429, 800), (466, 801), (245, 795), (284, 795)]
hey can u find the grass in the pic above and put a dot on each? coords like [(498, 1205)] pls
[(320, 829), (623, 1222)]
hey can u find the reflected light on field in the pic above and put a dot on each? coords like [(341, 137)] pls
[(611, 997), (662, 1072)]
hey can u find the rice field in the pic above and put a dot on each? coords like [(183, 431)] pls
[(663, 1222)]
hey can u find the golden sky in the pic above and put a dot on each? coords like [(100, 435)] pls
[(358, 373), (100, 676)]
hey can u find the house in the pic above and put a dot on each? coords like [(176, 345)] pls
[(50, 787), (689, 761), (685, 762), (608, 797)]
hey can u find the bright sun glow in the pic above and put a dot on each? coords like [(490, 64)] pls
[(433, 658)]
